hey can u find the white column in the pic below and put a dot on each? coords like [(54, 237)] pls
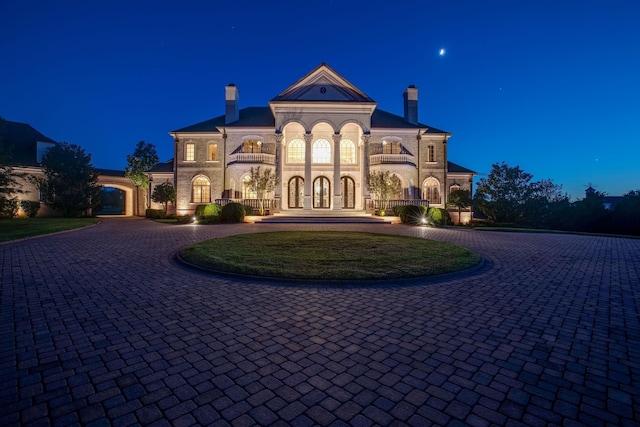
[(365, 169), (306, 203), (337, 193), (278, 193)]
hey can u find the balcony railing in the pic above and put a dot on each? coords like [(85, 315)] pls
[(377, 159), (254, 203), (269, 159)]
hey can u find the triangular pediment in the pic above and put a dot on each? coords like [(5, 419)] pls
[(323, 84)]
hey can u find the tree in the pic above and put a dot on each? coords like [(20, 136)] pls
[(503, 193), (545, 206), (143, 159), (70, 181), (165, 194), (261, 184), (627, 213), (383, 185), (9, 185), (460, 199)]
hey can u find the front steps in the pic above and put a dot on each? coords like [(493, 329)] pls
[(324, 217)]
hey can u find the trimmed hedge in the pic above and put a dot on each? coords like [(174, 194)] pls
[(411, 214), (208, 211), (154, 213), (232, 212)]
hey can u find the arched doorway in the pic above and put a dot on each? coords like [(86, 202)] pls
[(296, 192), (348, 192), (321, 193), (112, 201)]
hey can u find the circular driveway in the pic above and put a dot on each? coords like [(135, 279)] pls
[(101, 326)]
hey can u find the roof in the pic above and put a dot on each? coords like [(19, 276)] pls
[(323, 84), (263, 117), (249, 117), (163, 167), (456, 168), (384, 119), (21, 140)]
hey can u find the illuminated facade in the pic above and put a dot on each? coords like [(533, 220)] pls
[(321, 137)]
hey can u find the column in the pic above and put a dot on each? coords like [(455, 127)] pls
[(306, 203), (365, 169), (337, 193), (278, 193)]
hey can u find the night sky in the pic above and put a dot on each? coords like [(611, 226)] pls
[(551, 86)]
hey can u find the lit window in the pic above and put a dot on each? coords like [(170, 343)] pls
[(248, 192), (321, 151), (391, 147), (252, 146), (201, 190), (431, 191), (431, 153), (347, 152), (454, 187), (190, 152), (213, 152), (295, 151)]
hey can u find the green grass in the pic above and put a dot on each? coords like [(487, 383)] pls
[(329, 255), (18, 228)]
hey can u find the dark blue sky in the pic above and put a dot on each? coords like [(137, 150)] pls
[(551, 86)]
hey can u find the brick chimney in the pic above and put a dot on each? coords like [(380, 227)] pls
[(231, 98), (411, 104)]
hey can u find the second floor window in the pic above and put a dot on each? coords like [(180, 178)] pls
[(190, 152), (347, 152), (213, 152), (252, 146), (431, 153), (391, 147), (295, 151), (321, 151)]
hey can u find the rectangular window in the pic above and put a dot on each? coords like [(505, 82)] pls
[(190, 152), (213, 152), (431, 153), (252, 146)]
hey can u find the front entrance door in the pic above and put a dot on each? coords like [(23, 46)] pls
[(321, 193)]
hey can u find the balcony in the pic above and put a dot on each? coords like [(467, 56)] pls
[(378, 159), (269, 159)]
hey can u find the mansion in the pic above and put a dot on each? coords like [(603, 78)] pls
[(321, 137)]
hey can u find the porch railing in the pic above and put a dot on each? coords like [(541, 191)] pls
[(375, 204), (254, 203)]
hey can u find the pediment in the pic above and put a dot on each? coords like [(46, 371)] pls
[(323, 84)]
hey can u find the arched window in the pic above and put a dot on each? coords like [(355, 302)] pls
[(201, 190), (347, 152), (431, 191), (247, 191), (296, 192), (252, 146), (295, 151), (321, 151), (454, 187), (321, 192)]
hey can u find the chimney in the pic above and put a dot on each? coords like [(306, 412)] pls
[(231, 98), (411, 104)]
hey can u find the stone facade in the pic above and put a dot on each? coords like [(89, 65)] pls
[(321, 137)]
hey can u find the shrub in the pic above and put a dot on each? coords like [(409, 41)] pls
[(248, 209), (30, 207), (232, 212), (155, 213), (398, 209), (208, 211), (412, 214), (439, 216), (185, 219), (8, 207)]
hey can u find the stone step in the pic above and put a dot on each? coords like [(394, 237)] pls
[(328, 219)]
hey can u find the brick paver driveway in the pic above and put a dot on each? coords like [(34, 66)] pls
[(101, 327)]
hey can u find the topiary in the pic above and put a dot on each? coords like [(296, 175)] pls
[(212, 210), (154, 213), (232, 212)]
